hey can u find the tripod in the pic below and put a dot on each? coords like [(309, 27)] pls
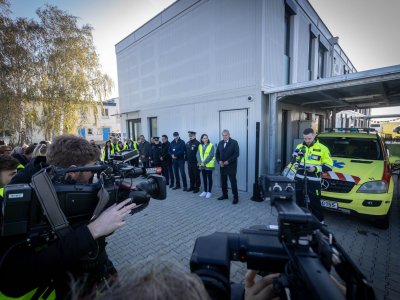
[(305, 187)]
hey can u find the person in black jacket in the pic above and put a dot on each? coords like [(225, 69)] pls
[(226, 155), (193, 169), (177, 150), (156, 148), (144, 151), (78, 255), (166, 161)]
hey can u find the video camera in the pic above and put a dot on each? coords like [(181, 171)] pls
[(23, 213), (301, 249)]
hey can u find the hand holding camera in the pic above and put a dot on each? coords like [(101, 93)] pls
[(111, 219)]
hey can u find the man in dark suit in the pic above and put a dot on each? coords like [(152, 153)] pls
[(226, 155), (144, 151)]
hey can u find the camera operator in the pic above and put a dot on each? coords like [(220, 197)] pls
[(80, 254), (310, 159), (8, 169)]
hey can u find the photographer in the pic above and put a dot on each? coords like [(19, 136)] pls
[(8, 169), (80, 254)]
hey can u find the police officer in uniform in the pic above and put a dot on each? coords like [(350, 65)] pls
[(166, 162), (156, 149), (177, 150), (194, 173), (311, 158)]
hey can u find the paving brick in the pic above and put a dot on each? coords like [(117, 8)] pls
[(169, 228)]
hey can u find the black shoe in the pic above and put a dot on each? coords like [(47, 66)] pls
[(223, 197), (176, 188), (185, 189), (195, 191), (189, 190), (235, 200)]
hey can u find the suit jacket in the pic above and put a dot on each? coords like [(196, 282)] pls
[(230, 153), (145, 149)]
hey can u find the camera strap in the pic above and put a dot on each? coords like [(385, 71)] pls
[(104, 197), (47, 195)]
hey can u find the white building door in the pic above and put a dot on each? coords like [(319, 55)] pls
[(236, 122)]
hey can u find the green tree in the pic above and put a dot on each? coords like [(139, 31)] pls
[(19, 48), (50, 73), (72, 80)]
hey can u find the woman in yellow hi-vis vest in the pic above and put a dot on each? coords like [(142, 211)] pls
[(206, 162), (106, 151)]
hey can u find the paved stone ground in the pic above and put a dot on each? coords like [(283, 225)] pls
[(167, 229)]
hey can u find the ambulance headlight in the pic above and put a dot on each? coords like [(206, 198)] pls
[(373, 187)]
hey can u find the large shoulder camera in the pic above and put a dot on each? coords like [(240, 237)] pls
[(301, 249), (23, 214)]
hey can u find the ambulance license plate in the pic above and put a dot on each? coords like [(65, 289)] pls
[(329, 204)]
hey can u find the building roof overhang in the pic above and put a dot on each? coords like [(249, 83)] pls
[(366, 89)]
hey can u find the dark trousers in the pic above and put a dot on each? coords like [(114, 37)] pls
[(168, 173), (146, 164), (314, 194), (194, 175), (207, 180), (135, 162), (179, 166), (224, 183)]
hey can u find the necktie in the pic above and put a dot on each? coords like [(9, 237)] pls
[(225, 144)]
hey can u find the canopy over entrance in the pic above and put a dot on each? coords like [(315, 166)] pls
[(361, 90)]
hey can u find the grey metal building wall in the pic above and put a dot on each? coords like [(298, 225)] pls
[(201, 57), (207, 48)]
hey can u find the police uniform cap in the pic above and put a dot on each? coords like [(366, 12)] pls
[(176, 133), (192, 132), (156, 138)]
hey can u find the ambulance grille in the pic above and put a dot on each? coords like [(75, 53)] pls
[(338, 186)]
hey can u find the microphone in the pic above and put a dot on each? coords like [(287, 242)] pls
[(299, 152)]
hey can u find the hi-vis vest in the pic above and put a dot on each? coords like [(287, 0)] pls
[(20, 167), (206, 153), (2, 195), (316, 155), (103, 153), (124, 147), (33, 295), (134, 145)]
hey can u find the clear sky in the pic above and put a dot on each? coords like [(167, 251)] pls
[(368, 30)]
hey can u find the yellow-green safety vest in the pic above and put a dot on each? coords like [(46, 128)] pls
[(2, 192), (204, 155), (103, 153), (29, 296), (134, 144), (124, 147)]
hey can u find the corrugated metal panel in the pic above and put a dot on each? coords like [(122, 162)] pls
[(303, 48), (274, 42), (206, 49), (236, 122)]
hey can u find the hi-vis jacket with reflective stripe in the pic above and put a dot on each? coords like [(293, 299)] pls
[(316, 155)]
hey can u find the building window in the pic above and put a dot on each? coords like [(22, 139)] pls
[(321, 61), (90, 131), (153, 127), (286, 56), (104, 112), (134, 128), (311, 55)]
